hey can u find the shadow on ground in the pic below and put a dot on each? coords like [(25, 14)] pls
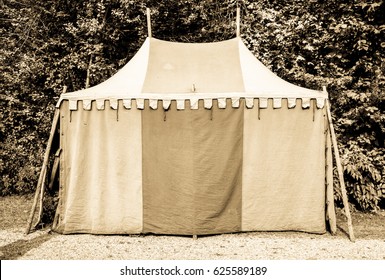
[(20, 247)]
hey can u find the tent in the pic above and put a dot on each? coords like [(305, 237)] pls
[(194, 139)]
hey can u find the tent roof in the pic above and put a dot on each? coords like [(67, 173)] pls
[(163, 70)]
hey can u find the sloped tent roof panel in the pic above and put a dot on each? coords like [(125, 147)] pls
[(261, 82), (163, 70), (208, 67)]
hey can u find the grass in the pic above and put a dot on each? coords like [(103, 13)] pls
[(14, 211), (365, 225)]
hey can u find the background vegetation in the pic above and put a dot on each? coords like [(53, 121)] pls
[(46, 45)]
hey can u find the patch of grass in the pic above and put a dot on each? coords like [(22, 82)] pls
[(15, 211), (365, 225)]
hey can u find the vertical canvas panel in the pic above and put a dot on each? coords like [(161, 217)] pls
[(168, 190), (101, 171), (192, 164), (218, 143), (284, 169)]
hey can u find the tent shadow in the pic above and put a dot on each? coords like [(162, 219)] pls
[(17, 249), (343, 230)]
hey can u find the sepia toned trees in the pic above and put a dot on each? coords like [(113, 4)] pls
[(46, 45)]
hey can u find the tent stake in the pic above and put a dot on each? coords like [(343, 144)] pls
[(41, 181), (340, 172)]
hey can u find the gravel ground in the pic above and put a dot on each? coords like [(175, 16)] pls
[(13, 235), (239, 246), (41, 245)]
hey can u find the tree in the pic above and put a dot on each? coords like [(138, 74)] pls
[(55, 43)]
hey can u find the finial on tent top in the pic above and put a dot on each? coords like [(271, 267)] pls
[(238, 21), (149, 22), (324, 89)]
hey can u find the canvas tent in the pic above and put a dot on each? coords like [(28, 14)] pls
[(194, 139)]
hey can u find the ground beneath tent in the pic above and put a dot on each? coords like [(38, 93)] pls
[(369, 230)]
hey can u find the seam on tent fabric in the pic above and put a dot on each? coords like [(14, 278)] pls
[(259, 110), (142, 163), (314, 104), (242, 162)]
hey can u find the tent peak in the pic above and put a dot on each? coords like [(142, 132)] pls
[(149, 22), (238, 22)]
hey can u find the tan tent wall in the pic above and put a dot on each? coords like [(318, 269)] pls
[(284, 169), (101, 171), (192, 171)]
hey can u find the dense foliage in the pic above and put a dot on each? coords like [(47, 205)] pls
[(49, 44)]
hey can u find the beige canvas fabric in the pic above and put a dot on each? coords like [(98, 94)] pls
[(192, 171), (192, 163), (283, 169), (101, 171), (176, 68), (164, 70)]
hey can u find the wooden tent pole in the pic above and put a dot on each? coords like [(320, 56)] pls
[(41, 198), (149, 22), (331, 211), (50, 186), (340, 172), (238, 21), (89, 72), (39, 187), (54, 169)]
